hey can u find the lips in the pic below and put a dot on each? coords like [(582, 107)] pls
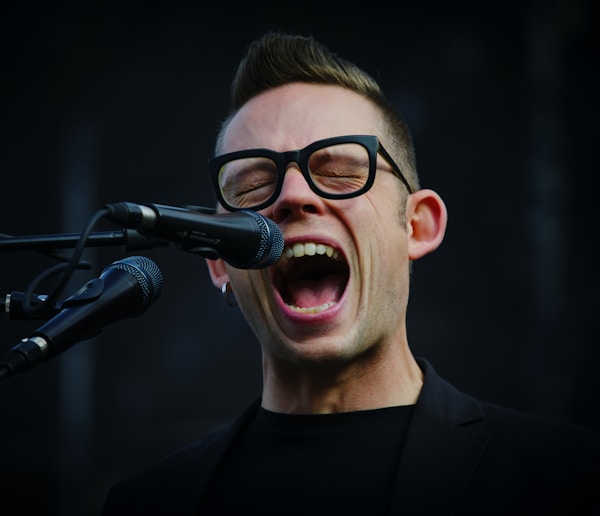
[(311, 277)]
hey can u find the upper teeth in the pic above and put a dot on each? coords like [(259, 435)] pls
[(310, 249)]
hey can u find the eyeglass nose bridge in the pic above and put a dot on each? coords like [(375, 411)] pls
[(299, 160), (294, 157), (289, 157)]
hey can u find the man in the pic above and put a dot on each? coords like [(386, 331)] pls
[(349, 421)]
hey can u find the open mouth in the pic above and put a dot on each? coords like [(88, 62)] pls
[(311, 277)]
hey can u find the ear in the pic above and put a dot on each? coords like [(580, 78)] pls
[(218, 272), (426, 218)]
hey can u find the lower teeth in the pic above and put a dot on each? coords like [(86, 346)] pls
[(312, 309)]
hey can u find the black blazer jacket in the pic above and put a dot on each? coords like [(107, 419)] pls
[(461, 457)]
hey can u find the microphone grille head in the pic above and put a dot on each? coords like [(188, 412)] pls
[(271, 241), (146, 272)]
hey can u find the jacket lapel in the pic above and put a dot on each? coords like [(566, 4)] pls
[(440, 454)]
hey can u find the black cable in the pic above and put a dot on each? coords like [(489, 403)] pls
[(67, 270)]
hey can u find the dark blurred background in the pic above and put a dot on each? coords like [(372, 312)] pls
[(105, 103)]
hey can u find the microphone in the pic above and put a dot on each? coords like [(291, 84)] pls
[(244, 239), (126, 288)]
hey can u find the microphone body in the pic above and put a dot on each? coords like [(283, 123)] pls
[(126, 288), (244, 239)]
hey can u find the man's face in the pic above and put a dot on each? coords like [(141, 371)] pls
[(348, 293)]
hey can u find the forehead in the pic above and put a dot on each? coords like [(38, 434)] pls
[(295, 115)]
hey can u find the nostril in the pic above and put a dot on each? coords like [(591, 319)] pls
[(280, 214), (310, 208), (284, 211)]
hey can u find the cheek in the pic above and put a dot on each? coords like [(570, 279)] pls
[(384, 215), (249, 288), (386, 239), (390, 271)]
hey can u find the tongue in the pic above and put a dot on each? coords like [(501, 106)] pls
[(305, 293)]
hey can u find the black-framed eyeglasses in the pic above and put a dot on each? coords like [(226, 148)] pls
[(341, 167)]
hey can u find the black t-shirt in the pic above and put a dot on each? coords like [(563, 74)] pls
[(288, 464)]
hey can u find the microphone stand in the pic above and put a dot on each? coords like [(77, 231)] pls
[(129, 238)]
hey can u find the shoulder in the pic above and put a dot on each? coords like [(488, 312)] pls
[(176, 480), (509, 432), (519, 459), (536, 431), (138, 492)]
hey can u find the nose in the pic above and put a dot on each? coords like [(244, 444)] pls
[(296, 196)]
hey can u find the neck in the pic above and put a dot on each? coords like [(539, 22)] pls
[(364, 384)]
